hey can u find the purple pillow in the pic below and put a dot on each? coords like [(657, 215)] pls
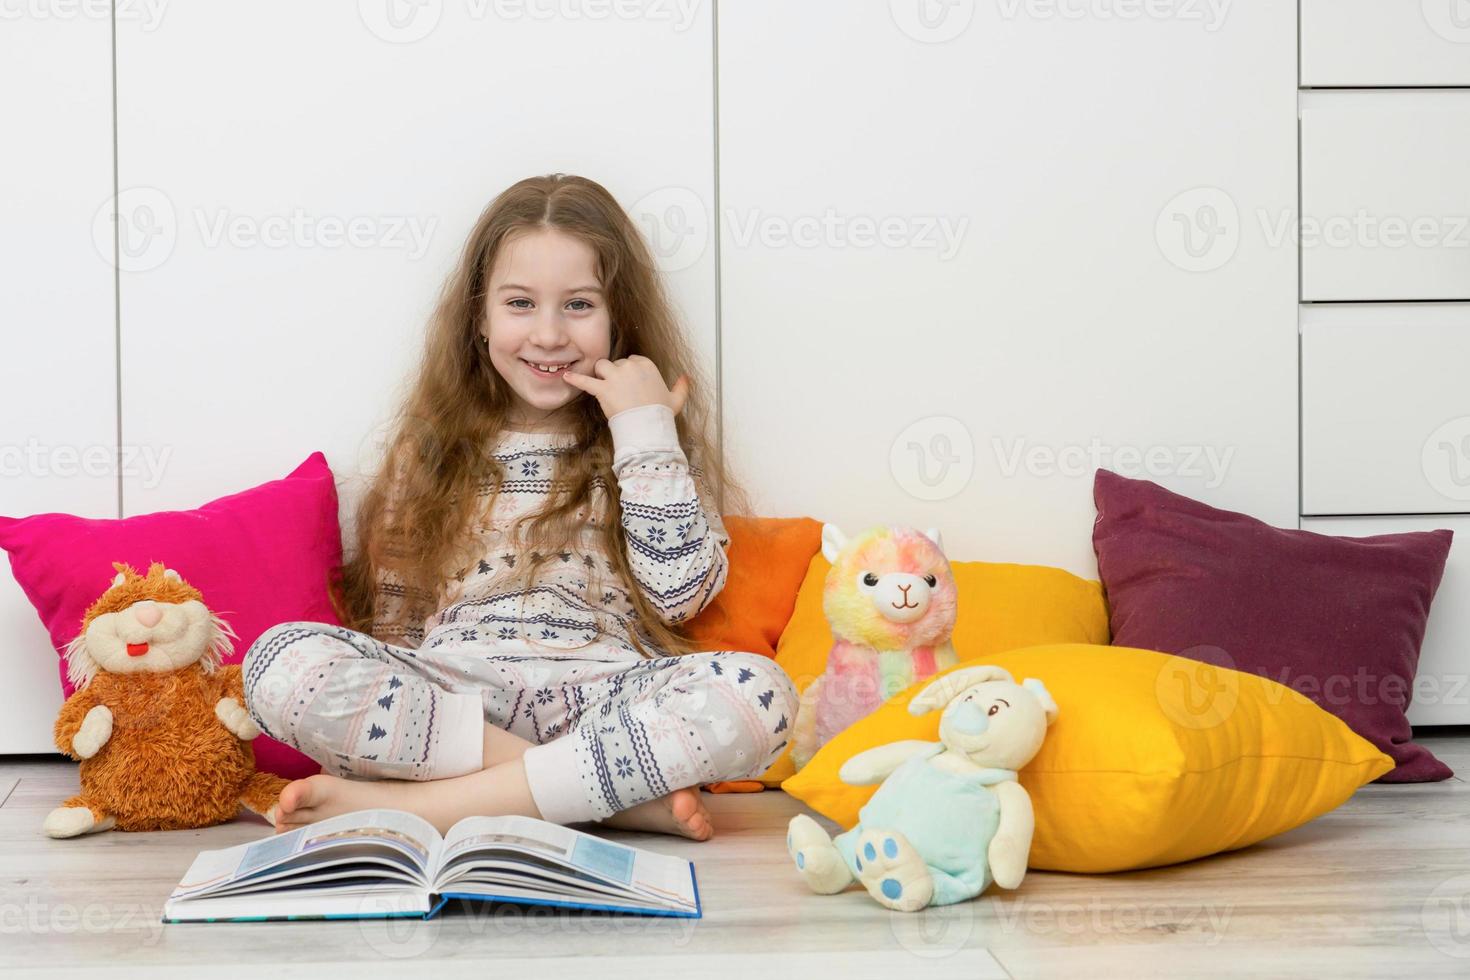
[(1337, 619), (266, 555)]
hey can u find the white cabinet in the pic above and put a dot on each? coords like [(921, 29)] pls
[(1385, 186), (1385, 250), (58, 396), (1356, 43), (965, 261), (1442, 686), (1385, 408), (315, 169)]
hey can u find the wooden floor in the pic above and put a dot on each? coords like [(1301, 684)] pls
[(1378, 888)]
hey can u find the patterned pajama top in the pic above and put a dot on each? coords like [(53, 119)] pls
[(676, 546)]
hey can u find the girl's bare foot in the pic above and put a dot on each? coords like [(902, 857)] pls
[(500, 790), (318, 797), (682, 812)]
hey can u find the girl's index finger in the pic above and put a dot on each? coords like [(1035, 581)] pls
[(586, 382)]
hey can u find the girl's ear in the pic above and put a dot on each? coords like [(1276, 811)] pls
[(832, 541)]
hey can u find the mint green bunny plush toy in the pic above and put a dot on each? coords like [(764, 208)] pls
[(949, 817)]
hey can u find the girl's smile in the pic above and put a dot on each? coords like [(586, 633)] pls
[(547, 370)]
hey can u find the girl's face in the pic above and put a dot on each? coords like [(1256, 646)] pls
[(545, 309)]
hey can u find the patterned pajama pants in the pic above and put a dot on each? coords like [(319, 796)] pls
[(608, 728)]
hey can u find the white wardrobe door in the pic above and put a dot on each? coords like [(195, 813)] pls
[(968, 259), (1385, 202), (1385, 408), (1357, 43), (314, 170), (58, 439)]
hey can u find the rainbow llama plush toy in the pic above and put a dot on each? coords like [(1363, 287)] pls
[(890, 601)]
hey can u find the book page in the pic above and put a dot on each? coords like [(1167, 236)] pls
[(403, 832), (662, 878)]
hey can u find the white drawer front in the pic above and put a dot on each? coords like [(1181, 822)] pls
[(1385, 195), (1385, 42), (1441, 691), (1386, 408)]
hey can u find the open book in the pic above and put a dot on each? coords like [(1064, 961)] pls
[(374, 863)]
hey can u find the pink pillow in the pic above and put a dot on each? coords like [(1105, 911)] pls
[(1338, 619), (260, 557)]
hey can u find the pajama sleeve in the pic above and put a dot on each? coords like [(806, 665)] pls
[(675, 538)]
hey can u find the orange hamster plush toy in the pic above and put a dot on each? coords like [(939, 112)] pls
[(157, 718)]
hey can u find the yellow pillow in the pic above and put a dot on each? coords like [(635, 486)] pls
[(1001, 607), (1153, 759)]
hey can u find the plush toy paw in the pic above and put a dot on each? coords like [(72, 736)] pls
[(232, 715), (1008, 856), (95, 731), (816, 857), (73, 821), (892, 871)]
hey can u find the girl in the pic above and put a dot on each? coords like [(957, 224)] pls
[(526, 559)]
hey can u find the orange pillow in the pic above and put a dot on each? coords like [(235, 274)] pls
[(768, 560)]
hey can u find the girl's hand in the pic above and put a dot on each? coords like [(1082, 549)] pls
[(629, 383)]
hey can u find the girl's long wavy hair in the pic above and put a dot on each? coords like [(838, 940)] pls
[(414, 525)]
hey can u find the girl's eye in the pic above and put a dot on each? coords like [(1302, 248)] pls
[(585, 305), (522, 300), (870, 579), (931, 581)]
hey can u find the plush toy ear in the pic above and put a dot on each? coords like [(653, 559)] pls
[(119, 580), (170, 573), (1048, 704), (933, 535), (832, 541), (942, 690)]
